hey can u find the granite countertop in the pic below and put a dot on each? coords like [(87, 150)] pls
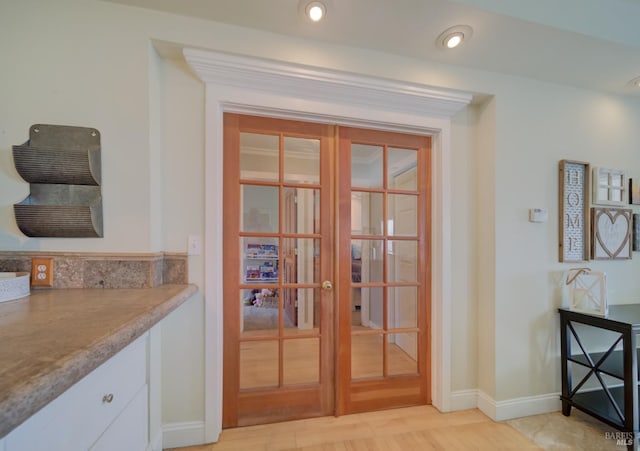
[(52, 339)]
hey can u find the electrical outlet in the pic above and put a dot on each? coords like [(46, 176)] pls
[(42, 272)]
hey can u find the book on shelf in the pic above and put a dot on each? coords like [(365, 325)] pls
[(268, 270), (255, 250), (270, 250), (252, 272)]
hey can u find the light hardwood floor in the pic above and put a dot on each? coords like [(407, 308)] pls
[(413, 428)]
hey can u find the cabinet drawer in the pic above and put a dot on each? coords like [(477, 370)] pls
[(80, 415), (129, 430)]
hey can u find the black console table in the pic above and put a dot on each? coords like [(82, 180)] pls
[(616, 404)]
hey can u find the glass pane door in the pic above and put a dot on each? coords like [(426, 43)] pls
[(278, 363), (384, 284), (299, 199)]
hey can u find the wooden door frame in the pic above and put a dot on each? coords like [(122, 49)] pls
[(397, 391), (252, 85), (287, 402), (337, 388)]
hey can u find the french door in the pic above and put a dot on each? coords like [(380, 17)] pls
[(327, 270)]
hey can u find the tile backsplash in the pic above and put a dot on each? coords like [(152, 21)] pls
[(96, 270)]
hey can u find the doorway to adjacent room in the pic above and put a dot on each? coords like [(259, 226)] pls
[(327, 275)]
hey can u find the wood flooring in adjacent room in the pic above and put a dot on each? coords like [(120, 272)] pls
[(420, 428)]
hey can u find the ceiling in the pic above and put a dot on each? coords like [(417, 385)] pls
[(593, 44)]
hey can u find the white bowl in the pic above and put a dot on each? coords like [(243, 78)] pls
[(13, 285)]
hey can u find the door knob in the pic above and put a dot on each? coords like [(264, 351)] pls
[(327, 285)]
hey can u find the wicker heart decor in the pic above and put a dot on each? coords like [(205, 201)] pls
[(611, 234)]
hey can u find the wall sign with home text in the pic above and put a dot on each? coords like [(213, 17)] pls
[(574, 211)]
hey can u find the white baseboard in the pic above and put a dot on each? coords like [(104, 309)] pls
[(190, 433), (518, 407), (175, 435), (531, 405), (464, 400), (155, 443), (487, 404)]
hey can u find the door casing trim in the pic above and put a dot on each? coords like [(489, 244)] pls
[(285, 90)]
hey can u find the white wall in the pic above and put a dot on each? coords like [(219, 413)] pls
[(181, 186), (485, 258), (89, 63), (542, 125), (76, 63), (464, 146)]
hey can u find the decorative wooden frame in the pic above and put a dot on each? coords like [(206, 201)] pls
[(611, 233), (588, 291), (573, 211), (614, 191)]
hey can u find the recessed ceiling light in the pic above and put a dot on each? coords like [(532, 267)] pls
[(635, 82), (454, 36), (454, 40), (315, 11)]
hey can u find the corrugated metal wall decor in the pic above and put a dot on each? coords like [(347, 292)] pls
[(62, 165)]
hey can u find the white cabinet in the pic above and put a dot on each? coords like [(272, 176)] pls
[(128, 430), (108, 409)]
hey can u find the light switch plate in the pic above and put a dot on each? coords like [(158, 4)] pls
[(42, 272), (194, 245)]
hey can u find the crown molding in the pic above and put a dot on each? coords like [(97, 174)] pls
[(308, 82)]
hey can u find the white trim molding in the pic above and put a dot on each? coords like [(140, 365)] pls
[(155, 442), (464, 399), (299, 81), (190, 433), (518, 407), (292, 91)]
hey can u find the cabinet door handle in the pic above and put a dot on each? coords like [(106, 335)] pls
[(107, 398)]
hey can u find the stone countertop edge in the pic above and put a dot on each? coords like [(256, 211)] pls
[(35, 393)]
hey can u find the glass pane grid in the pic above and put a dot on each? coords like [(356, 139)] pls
[(259, 157), (301, 361), (280, 203), (301, 160), (367, 165), (367, 356), (259, 364), (399, 164), (387, 224)]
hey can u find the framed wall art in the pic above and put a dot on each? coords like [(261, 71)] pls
[(611, 233), (635, 237), (609, 186), (573, 215), (634, 192)]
